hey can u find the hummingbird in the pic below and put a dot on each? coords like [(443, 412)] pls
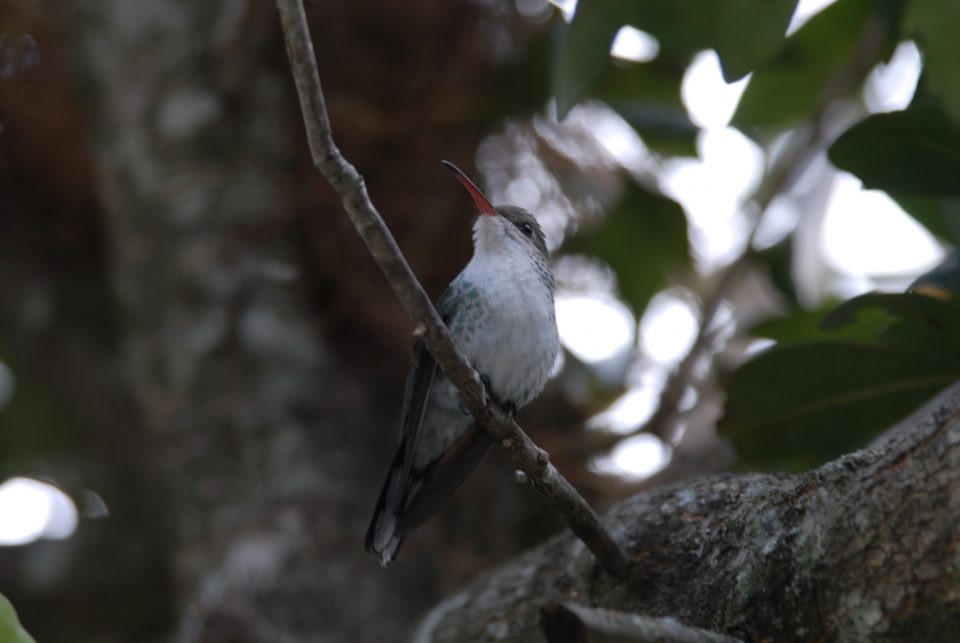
[(501, 315)]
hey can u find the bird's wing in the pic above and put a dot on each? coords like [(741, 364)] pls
[(443, 477), (423, 373), (383, 538), (434, 485), (409, 496)]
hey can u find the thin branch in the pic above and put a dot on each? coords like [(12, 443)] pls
[(572, 623), (348, 183)]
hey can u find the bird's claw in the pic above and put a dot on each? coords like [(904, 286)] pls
[(510, 408), (487, 390)]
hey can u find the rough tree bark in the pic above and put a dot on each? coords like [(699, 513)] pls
[(864, 548)]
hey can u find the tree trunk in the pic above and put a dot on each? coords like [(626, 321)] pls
[(862, 548), (261, 441)]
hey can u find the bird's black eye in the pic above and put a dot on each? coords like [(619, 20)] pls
[(526, 228)]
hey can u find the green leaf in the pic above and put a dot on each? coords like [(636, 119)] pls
[(11, 631), (744, 32), (936, 25), (657, 81), (941, 216), (796, 406), (647, 96), (667, 130), (943, 314), (918, 325), (682, 27), (583, 50), (777, 260), (643, 240), (806, 325), (797, 326), (913, 152), (787, 88), (749, 32), (867, 364), (867, 319)]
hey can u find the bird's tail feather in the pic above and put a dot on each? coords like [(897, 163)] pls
[(444, 476), (383, 540), (409, 498)]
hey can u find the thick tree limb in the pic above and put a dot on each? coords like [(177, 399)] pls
[(349, 184), (864, 548)]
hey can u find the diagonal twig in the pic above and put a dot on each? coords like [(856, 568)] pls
[(348, 183)]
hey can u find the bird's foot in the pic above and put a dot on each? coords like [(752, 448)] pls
[(487, 388), (485, 380), (510, 408)]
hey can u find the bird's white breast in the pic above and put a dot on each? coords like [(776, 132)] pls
[(503, 320), (514, 342)]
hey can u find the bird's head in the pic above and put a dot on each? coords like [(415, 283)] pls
[(502, 229)]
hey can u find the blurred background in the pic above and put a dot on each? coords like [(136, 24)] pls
[(201, 368)]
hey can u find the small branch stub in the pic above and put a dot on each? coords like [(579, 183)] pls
[(571, 623), (543, 458)]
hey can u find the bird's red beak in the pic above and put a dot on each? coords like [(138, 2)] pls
[(483, 203)]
